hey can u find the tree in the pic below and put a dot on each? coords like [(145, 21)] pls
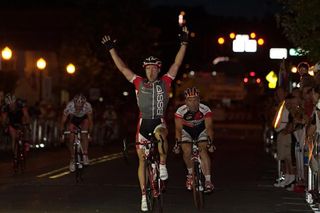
[(300, 21)]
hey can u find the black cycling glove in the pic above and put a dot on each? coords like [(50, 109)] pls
[(184, 36), (108, 43)]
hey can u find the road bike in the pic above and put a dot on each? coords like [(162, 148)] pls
[(154, 186), (78, 151), (198, 179), (20, 150)]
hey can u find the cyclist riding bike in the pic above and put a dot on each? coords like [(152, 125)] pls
[(193, 121), (14, 115), (152, 97), (78, 113)]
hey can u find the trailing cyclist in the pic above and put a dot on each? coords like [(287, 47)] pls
[(152, 96), (14, 116), (193, 121), (78, 113)]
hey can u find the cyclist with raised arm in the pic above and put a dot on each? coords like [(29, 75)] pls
[(78, 113), (14, 115), (152, 95), (193, 121)]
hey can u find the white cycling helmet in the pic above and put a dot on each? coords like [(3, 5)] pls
[(151, 61), (79, 99), (10, 99)]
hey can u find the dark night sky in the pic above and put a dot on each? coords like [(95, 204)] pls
[(246, 8)]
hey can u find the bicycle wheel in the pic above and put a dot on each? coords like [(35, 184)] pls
[(197, 186), (149, 192), (78, 158), (158, 200), (21, 156)]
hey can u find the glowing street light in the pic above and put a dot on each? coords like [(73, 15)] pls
[(71, 69), (232, 35), (253, 35), (220, 40), (260, 41), (6, 53), (41, 64)]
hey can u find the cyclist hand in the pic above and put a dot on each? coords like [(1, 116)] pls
[(108, 43), (184, 36), (211, 148), (176, 149)]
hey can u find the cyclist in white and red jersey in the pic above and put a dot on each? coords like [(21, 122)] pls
[(193, 121), (152, 97), (78, 113)]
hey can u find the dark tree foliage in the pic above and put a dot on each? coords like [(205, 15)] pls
[(300, 21)]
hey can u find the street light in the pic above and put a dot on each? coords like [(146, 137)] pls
[(6, 53), (71, 69), (41, 65)]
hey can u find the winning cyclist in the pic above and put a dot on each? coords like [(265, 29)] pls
[(152, 97), (14, 116), (193, 121), (78, 113)]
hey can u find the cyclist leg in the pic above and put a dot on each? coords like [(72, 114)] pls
[(141, 170), (13, 136), (85, 141), (186, 154), (71, 127), (206, 166), (161, 133)]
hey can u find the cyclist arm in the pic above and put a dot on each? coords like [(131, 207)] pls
[(63, 121), (26, 116), (178, 60), (122, 67), (90, 127), (178, 124), (209, 126), (4, 117)]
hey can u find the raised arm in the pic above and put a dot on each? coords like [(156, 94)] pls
[(122, 67), (180, 55)]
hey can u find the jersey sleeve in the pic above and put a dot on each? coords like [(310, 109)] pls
[(206, 111), (68, 109), (136, 80), (167, 80), (88, 108), (179, 113)]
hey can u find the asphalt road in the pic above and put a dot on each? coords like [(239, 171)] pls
[(242, 173)]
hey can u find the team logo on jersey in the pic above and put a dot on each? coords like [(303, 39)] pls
[(160, 98)]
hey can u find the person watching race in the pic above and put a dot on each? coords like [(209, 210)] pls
[(78, 113), (14, 116), (193, 121), (152, 95)]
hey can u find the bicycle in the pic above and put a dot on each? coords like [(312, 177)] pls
[(154, 186), (20, 150), (198, 183), (78, 151)]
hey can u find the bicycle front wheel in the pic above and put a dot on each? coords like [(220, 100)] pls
[(197, 186), (148, 187)]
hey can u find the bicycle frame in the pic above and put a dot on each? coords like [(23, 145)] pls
[(198, 177), (78, 151), (154, 186), (20, 162)]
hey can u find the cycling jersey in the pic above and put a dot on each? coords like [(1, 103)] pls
[(70, 110), (152, 97), (193, 123), (14, 116)]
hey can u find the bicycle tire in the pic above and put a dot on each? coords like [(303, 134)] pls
[(78, 158), (197, 186), (148, 188)]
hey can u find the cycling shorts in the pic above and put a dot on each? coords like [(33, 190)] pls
[(146, 128)]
